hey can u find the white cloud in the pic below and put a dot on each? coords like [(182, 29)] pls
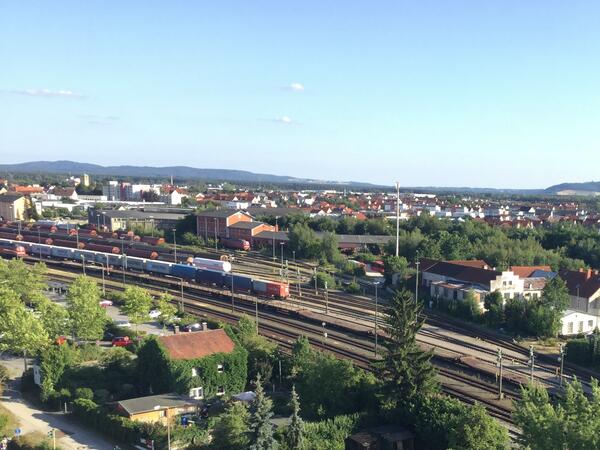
[(47, 93), (296, 87), (285, 120)]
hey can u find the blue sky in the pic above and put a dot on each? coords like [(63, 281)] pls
[(454, 93)]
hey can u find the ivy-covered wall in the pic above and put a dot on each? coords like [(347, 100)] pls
[(159, 374)]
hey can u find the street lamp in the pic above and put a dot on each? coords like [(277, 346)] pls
[(281, 244), (156, 408), (175, 244), (215, 234)]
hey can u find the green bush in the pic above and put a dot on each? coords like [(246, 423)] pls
[(3, 422), (353, 288), (329, 434), (323, 278), (84, 393), (89, 352)]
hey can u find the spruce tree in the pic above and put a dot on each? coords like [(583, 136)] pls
[(405, 369), (261, 427), (295, 432)]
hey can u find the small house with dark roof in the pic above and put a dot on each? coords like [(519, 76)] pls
[(200, 365), (584, 290), (156, 408)]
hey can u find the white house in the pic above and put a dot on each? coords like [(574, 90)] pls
[(575, 322)]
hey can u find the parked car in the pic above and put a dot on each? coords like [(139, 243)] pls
[(121, 341), (123, 323), (106, 303), (192, 327), (154, 314)]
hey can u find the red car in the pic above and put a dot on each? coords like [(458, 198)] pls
[(121, 341)]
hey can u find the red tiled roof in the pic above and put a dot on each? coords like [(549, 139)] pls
[(478, 263), (460, 272), (526, 271), (582, 283), (197, 345)]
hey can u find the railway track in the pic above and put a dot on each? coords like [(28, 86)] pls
[(285, 330)]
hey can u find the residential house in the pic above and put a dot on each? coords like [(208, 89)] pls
[(157, 408), (202, 364), (13, 207), (584, 290)]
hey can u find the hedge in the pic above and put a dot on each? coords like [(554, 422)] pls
[(120, 428)]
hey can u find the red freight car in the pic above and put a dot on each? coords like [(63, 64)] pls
[(271, 288), (152, 240), (103, 248), (12, 249), (148, 254), (37, 239), (239, 244), (69, 244)]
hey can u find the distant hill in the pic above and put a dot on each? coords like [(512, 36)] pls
[(587, 188), (179, 172)]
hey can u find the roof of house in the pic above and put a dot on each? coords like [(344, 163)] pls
[(479, 263), (221, 213), (154, 402), (246, 225), (63, 192), (461, 273), (197, 344), (534, 284), (582, 283), (527, 271), (10, 198)]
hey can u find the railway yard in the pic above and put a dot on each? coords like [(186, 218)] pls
[(345, 325)]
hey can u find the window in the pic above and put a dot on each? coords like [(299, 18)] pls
[(510, 283), (504, 283), (194, 372), (590, 324), (580, 328), (570, 328), (162, 413), (220, 368), (197, 393), (535, 296), (220, 390)]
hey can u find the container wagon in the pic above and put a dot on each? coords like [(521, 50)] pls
[(209, 277), (61, 252), (134, 263), (212, 264), (158, 267), (241, 283), (271, 288), (183, 271)]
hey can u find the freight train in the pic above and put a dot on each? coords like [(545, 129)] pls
[(112, 258)]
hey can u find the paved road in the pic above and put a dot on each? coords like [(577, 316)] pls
[(70, 435)]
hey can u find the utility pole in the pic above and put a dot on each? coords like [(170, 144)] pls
[(83, 263), (122, 253), (500, 367), (532, 361), (326, 299), (175, 246), (182, 305), (376, 323), (562, 352), (215, 234), (256, 311), (281, 245), (232, 298), (315, 277), (324, 335), (397, 218), (299, 282), (417, 280)]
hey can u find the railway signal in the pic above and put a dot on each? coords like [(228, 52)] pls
[(500, 367), (561, 359), (531, 361)]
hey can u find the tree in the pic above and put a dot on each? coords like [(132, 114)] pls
[(468, 308), (260, 350), (166, 307), (405, 370), (393, 265), (137, 304), (330, 248), (26, 281), (231, 429), (303, 241), (20, 330), (54, 318), (260, 424), (86, 317), (295, 431), (494, 314)]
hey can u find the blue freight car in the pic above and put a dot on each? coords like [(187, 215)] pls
[(184, 271), (133, 263), (158, 267), (210, 277), (241, 283), (61, 252)]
